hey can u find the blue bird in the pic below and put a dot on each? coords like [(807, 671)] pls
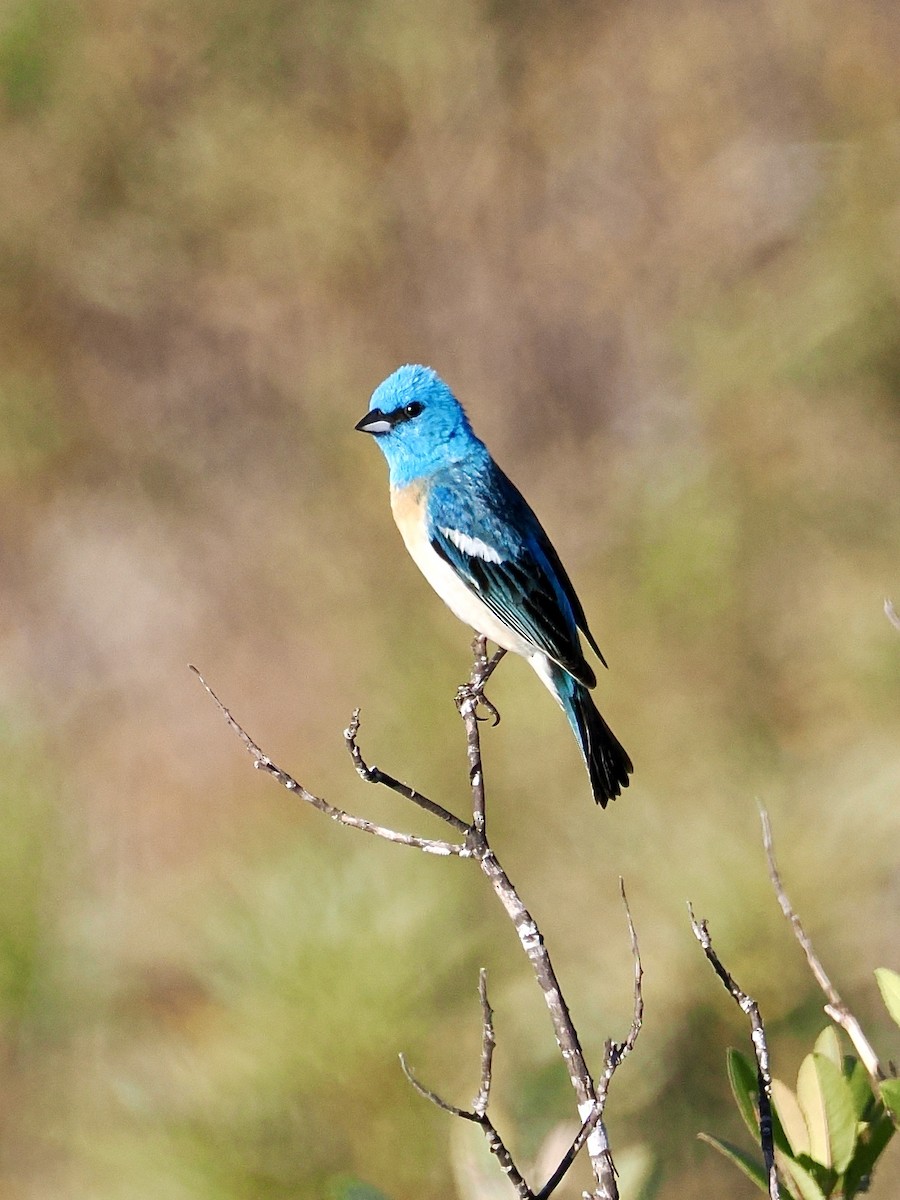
[(477, 542)]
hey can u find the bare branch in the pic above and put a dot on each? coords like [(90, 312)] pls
[(468, 697), (760, 1048), (531, 939), (433, 1097), (590, 1101), (263, 763), (637, 1019), (616, 1053), (376, 775), (487, 1045), (571, 1154), (494, 1141), (835, 1008)]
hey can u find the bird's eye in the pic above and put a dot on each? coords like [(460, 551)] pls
[(412, 410)]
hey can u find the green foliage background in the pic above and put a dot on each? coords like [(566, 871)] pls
[(655, 247)]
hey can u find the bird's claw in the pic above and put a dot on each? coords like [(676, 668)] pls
[(473, 692), (493, 712)]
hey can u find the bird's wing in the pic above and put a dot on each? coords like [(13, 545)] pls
[(484, 529), (559, 572)]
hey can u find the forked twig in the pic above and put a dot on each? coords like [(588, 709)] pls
[(478, 1112), (532, 942), (262, 762), (760, 1048), (376, 775), (616, 1053), (591, 1097)]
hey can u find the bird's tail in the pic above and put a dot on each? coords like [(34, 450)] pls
[(607, 762)]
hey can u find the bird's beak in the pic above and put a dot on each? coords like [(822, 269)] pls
[(375, 422)]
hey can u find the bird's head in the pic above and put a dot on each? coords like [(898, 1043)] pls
[(418, 423)]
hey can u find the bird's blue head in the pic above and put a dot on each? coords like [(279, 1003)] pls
[(419, 424)]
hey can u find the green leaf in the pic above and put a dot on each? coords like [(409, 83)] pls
[(870, 1143), (748, 1165), (779, 1137), (792, 1120), (825, 1177), (787, 1186), (828, 1044), (889, 983), (812, 1105), (890, 1094), (840, 1112), (860, 1087), (803, 1183), (744, 1080)]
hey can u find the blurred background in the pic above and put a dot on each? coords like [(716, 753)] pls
[(654, 247)]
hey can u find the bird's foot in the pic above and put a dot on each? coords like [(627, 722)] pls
[(493, 713), (473, 691)]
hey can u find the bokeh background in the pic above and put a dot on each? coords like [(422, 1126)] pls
[(655, 248)]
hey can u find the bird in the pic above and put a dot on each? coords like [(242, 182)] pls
[(479, 544)]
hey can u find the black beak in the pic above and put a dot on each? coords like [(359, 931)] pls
[(375, 421)]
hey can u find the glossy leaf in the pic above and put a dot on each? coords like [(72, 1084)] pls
[(779, 1137), (812, 1105), (825, 1177), (889, 983), (804, 1185), (840, 1112), (744, 1080), (791, 1117), (751, 1168), (828, 1044), (871, 1142), (786, 1184), (860, 1087)]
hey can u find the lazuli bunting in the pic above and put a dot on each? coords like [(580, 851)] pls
[(482, 549)]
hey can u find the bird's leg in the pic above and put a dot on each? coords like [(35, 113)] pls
[(492, 664), (485, 672), (482, 670)]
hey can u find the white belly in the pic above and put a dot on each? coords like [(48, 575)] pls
[(459, 598)]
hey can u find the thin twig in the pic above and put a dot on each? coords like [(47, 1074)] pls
[(760, 1048), (487, 1046), (494, 1141), (263, 763), (532, 940), (476, 846), (835, 1008), (616, 1053), (376, 775), (468, 698), (565, 1163)]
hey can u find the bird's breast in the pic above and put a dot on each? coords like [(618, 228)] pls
[(408, 506)]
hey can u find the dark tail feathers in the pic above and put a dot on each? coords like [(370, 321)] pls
[(607, 762)]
